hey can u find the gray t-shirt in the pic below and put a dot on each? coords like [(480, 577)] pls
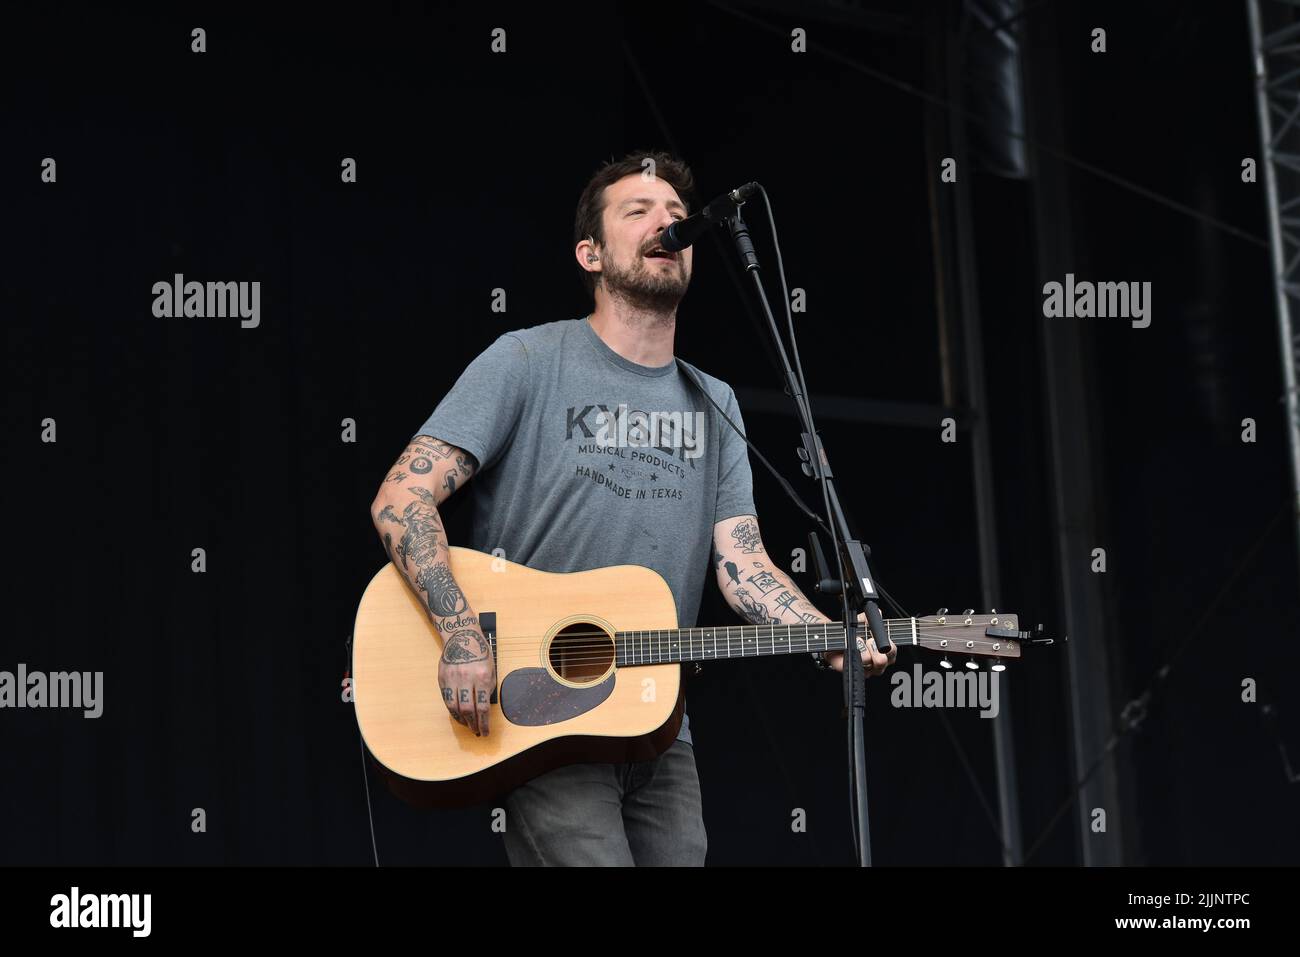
[(588, 459)]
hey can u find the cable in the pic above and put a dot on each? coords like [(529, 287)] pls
[(365, 774)]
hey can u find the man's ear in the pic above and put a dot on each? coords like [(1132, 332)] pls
[(588, 255)]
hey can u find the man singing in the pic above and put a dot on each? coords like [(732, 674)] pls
[(533, 421)]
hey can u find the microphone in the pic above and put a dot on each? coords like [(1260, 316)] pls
[(683, 233)]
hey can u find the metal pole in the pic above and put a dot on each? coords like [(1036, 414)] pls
[(1281, 286)]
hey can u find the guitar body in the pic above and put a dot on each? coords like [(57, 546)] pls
[(561, 698)]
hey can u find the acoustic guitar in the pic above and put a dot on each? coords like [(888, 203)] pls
[(588, 668)]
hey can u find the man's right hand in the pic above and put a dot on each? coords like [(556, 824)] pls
[(467, 678)]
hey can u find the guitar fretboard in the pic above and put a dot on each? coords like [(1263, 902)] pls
[(742, 641)]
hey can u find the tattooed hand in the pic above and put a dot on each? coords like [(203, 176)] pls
[(467, 675)]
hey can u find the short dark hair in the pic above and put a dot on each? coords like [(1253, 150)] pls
[(589, 219)]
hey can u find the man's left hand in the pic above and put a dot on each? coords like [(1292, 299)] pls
[(872, 660)]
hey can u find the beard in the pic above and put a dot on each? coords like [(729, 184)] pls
[(645, 287)]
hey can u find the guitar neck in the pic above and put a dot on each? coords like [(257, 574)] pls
[(665, 646)]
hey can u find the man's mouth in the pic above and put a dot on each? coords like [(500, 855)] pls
[(659, 253)]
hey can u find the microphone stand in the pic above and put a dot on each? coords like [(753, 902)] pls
[(856, 585)]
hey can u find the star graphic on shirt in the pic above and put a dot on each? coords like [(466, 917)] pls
[(654, 477), (611, 466)]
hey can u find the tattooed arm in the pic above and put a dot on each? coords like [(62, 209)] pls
[(405, 513), (762, 594), (753, 586)]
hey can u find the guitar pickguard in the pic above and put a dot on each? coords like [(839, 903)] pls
[(531, 697)]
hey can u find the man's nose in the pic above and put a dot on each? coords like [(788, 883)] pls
[(663, 219)]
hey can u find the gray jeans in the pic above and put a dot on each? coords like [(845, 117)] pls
[(645, 813)]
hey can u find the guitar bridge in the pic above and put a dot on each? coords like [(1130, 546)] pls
[(487, 622)]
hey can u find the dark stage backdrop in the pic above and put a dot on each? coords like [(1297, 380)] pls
[(223, 689)]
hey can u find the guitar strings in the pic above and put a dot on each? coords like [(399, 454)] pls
[(903, 629), (627, 639), (590, 654), (607, 647), (595, 651)]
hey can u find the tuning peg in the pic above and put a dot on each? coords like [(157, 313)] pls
[(997, 666), (972, 664), (968, 612), (941, 612), (993, 611), (944, 662)]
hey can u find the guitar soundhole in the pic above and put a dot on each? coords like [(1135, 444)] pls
[(582, 652)]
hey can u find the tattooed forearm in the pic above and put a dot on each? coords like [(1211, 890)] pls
[(405, 513), (420, 556), (762, 594)]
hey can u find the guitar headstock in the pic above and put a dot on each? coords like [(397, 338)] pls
[(969, 637)]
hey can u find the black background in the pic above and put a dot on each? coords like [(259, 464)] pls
[(222, 690)]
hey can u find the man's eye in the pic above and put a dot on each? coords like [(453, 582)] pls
[(678, 219), (635, 211)]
